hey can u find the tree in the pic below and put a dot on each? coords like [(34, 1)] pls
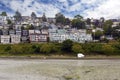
[(18, 16), (3, 14), (116, 32), (60, 18), (102, 20), (9, 21), (98, 34), (67, 45), (78, 17), (44, 19), (67, 21), (78, 22), (96, 23), (33, 15), (77, 48), (108, 27), (88, 21), (29, 27)]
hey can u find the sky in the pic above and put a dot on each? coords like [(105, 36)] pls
[(87, 8)]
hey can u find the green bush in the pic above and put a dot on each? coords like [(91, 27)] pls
[(15, 49), (108, 49), (46, 48), (67, 46), (77, 48), (59, 48)]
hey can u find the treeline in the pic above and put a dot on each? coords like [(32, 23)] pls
[(67, 47)]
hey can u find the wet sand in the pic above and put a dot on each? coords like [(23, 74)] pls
[(38, 69)]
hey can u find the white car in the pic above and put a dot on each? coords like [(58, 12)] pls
[(80, 55)]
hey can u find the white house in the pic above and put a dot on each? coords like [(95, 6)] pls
[(31, 32), (15, 38), (5, 39), (61, 35), (38, 37)]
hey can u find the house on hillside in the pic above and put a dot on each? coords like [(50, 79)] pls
[(5, 39), (15, 38), (25, 39), (31, 31), (5, 32), (11, 32), (25, 32), (17, 26), (38, 37), (18, 32), (61, 35)]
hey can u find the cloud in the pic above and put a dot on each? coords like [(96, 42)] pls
[(26, 7), (70, 8), (108, 9)]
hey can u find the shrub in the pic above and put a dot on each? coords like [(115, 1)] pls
[(46, 48), (15, 49), (67, 45), (108, 49), (77, 48)]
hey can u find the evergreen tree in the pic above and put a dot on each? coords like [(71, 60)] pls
[(33, 15), (3, 14), (18, 16), (44, 19)]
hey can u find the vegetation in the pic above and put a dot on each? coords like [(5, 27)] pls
[(3, 14), (108, 27), (44, 19), (33, 15), (98, 34), (60, 18), (18, 16), (77, 48), (78, 22), (9, 21), (67, 47)]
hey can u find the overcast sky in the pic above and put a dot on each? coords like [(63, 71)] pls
[(70, 8)]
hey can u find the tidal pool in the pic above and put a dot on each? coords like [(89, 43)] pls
[(37, 69)]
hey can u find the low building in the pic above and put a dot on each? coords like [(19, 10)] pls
[(25, 32), (15, 38), (38, 37), (18, 26), (18, 32), (37, 31), (4, 31), (31, 31), (11, 32), (5, 39), (25, 39), (75, 35)]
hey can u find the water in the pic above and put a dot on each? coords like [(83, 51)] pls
[(28, 69)]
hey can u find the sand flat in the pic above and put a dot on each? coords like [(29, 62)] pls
[(35, 69)]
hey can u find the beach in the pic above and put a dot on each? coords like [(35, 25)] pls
[(59, 69)]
